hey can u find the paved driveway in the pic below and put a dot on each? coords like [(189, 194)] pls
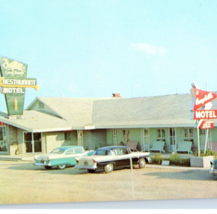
[(21, 182)]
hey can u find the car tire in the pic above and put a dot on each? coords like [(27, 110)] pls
[(62, 166), (108, 168), (91, 170), (47, 167), (142, 163)]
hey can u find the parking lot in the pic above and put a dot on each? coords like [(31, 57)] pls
[(22, 183)]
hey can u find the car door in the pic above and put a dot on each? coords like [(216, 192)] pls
[(122, 159), (70, 156), (126, 157)]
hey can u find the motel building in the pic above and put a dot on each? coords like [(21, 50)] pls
[(50, 122)]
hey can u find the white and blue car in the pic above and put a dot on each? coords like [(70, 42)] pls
[(61, 157)]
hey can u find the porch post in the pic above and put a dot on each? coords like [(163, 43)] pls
[(23, 144), (207, 133), (33, 143), (198, 141), (142, 140)]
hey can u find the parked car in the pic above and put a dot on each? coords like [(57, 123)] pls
[(213, 167), (113, 157), (60, 157)]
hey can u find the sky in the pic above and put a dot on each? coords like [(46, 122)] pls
[(93, 48)]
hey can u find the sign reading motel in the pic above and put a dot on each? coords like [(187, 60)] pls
[(13, 83), (205, 114)]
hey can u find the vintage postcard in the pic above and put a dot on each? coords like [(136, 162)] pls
[(107, 101)]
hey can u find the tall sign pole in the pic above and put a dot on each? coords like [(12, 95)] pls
[(13, 83), (202, 112)]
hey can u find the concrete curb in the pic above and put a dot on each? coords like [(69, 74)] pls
[(10, 159), (4, 158), (176, 167)]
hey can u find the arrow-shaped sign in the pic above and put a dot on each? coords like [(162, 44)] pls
[(202, 98)]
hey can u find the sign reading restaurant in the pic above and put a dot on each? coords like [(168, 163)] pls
[(13, 83)]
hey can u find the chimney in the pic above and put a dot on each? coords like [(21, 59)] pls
[(116, 95)]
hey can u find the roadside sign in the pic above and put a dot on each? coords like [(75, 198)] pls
[(205, 114), (207, 124), (13, 84), (202, 98)]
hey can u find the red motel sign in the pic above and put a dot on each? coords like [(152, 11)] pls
[(207, 124), (205, 114), (202, 98)]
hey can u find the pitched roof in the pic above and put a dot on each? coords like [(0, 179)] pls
[(146, 111), (78, 111), (91, 113), (35, 121)]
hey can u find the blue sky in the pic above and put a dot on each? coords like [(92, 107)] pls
[(98, 47)]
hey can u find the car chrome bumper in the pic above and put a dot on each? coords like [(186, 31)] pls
[(84, 167), (41, 164), (148, 159), (213, 171)]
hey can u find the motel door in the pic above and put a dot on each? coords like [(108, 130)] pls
[(172, 139), (32, 142)]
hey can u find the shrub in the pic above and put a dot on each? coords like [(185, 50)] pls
[(174, 160), (209, 152), (157, 159)]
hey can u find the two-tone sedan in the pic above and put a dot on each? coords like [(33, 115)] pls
[(60, 157), (113, 157)]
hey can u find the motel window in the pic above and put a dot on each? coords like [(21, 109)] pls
[(188, 133), (67, 135), (126, 136), (114, 136), (146, 136), (3, 147), (202, 131), (161, 133), (1, 134), (33, 142)]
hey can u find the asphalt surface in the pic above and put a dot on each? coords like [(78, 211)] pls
[(23, 183)]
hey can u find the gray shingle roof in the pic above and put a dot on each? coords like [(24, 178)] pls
[(34, 121), (78, 113)]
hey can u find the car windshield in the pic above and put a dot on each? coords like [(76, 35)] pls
[(102, 152), (58, 151)]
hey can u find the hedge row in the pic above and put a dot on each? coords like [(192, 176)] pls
[(174, 160)]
